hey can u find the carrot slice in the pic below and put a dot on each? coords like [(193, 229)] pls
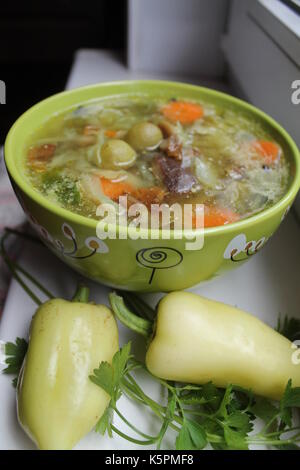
[(39, 156), (114, 190), (215, 216), (110, 133), (149, 196), (41, 153), (269, 151), (182, 111)]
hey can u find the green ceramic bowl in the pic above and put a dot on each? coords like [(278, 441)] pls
[(143, 264)]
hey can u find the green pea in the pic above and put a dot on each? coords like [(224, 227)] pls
[(144, 135), (116, 154)]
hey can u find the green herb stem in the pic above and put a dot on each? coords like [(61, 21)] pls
[(139, 325), (134, 428), (12, 269), (33, 280), (15, 267), (131, 439), (138, 305), (81, 295)]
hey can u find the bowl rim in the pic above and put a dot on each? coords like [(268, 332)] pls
[(70, 216)]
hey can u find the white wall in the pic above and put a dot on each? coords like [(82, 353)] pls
[(263, 69), (176, 36)]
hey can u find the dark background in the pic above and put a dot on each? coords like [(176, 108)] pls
[(37, 44)]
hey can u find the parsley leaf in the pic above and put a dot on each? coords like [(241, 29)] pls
[(240, 421), (109, 377), (192, 436), (206, 394), (15, 353), (197, 433), (119, 363), (225, 402), (264, 410), (103, 377), (291, 397), (212, 394), (104, 423), (234, 439), (184, 440)]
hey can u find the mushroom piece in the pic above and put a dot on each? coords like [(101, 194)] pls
[(177, 179), (172, 147), (167, 128)]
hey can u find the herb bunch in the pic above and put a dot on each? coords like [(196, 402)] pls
[(200, 415)]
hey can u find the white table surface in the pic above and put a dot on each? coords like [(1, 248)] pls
[(267, 285)]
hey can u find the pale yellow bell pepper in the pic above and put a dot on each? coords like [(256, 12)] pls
[(56, 401), (196, 340)]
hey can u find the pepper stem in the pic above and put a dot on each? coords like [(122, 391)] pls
[(137, 305), (139, 325), (81, 295)]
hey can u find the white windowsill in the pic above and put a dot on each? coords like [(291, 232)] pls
[(284, 14), (92, 66), (281, 23)]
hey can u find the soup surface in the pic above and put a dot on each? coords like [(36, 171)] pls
[(157, 151)]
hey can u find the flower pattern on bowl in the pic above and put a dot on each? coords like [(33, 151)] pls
[(94, 244), (97, 245), (239, 249)]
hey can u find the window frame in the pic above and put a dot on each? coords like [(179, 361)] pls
[(280, 23)]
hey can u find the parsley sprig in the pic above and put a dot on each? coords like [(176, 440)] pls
[(15, 353), (200, 414)]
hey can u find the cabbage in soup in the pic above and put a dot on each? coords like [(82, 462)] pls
[(158, 151)]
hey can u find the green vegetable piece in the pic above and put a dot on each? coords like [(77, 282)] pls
[(116, 154), (144, 135)]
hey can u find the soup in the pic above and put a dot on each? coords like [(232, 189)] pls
[(157, 151)]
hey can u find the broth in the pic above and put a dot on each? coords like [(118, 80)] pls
[(158, 151)]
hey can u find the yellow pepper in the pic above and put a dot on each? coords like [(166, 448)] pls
[(57, 403), (196, 340)]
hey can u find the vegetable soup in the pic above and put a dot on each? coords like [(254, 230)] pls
[(158, 151)]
